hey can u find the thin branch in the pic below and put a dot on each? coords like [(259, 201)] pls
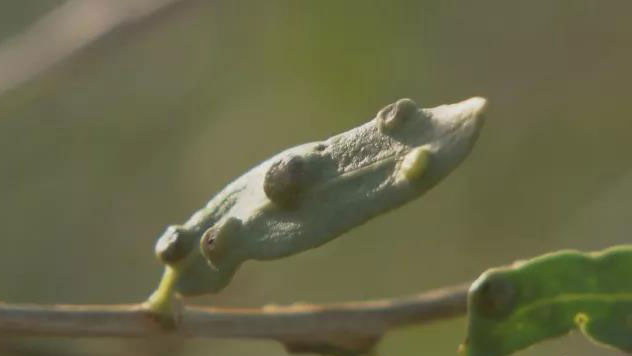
[(352, 326), (63, 31)]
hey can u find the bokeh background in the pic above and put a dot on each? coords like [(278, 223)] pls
[(141, 127)]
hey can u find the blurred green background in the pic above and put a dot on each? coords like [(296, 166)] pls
[(140, 128)]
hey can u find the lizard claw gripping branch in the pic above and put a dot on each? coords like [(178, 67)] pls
[(308, 195)]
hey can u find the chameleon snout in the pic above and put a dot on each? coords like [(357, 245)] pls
[(174, 244)]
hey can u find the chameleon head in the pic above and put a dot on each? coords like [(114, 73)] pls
[(221, 249)]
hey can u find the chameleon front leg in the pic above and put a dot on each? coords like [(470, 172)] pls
[(172, 249), (194, 263), (161, 301)]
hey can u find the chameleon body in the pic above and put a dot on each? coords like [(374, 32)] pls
[(307, 195)]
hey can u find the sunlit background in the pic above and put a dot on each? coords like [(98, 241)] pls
[(140, 127)]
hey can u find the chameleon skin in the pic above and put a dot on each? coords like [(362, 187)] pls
[(310, 194)]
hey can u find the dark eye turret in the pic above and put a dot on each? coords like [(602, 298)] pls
[(218, 241), (285, 180)]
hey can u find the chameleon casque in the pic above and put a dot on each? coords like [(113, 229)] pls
[(310, 194)]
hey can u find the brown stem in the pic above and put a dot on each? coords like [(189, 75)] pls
[(354, 326)]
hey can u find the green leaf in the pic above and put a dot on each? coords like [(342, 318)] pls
[(513, 307)]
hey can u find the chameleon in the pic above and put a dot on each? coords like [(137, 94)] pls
[(310, 194)]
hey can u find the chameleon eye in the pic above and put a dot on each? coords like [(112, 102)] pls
[(208, 245), (396, 114), (285, 180), (320, 147), (218, 240), (210, 241)]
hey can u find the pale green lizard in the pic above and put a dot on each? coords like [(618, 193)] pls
[(309, 194)]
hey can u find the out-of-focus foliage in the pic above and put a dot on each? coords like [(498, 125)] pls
[(514, 307), (15, 16), (129, 135)]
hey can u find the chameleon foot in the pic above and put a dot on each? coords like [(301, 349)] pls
[(162, 302)]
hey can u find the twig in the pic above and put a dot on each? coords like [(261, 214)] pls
[(344, 328), (63, 31)]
